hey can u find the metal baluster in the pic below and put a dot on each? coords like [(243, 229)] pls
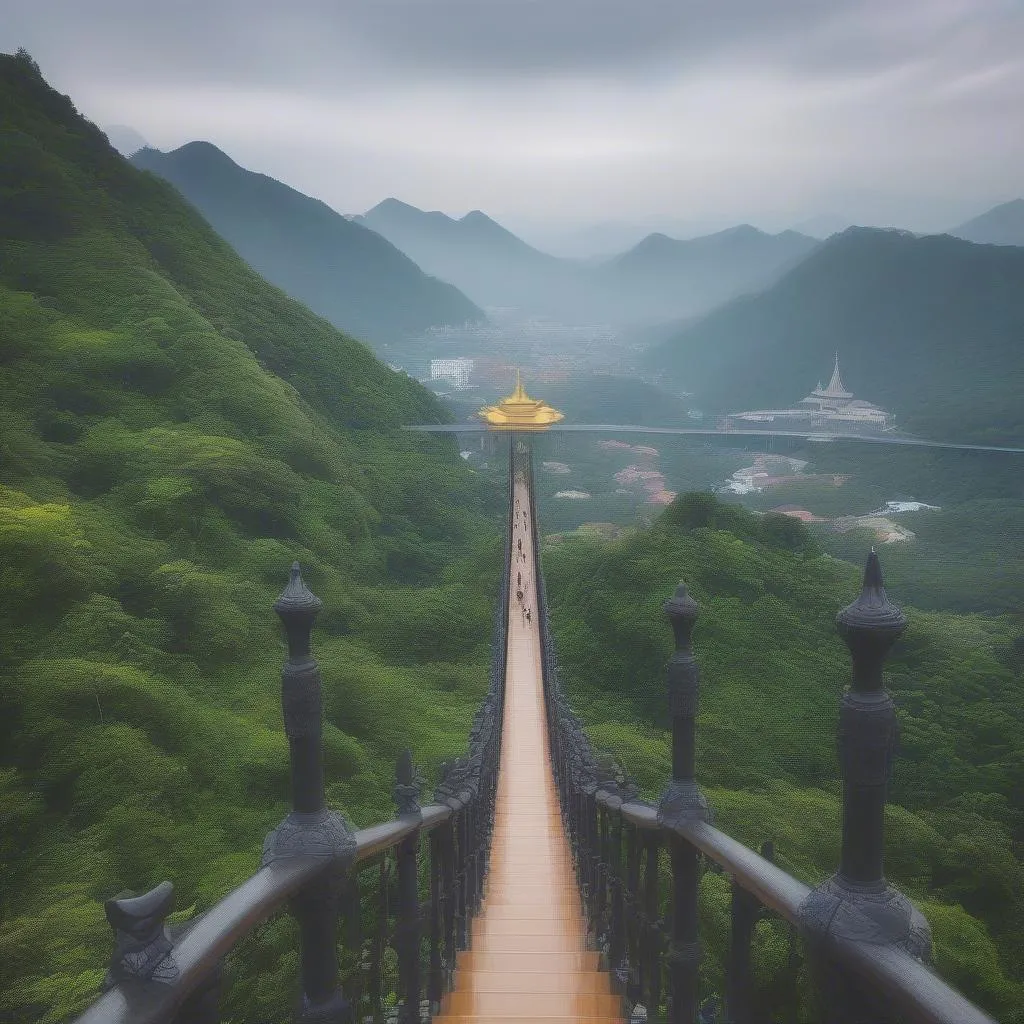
[(379, 943), (652, 914), (618, 959), (311, 830), (407, 931), (634, 934), (436, 985), (683, 802), (739, 977)]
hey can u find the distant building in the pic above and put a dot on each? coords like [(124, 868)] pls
[(519, 411), (831, 407), (891, 507), (455, 370)]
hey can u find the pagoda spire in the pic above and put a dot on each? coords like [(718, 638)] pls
[(835, 385)]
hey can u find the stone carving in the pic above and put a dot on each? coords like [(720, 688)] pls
[(681, 802), (324, 834), (881, 915), (142, 946)]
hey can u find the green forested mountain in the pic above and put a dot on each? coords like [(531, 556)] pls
[(930, 328), (1002, 225), (173, 432), (773, 670), (346, 273)]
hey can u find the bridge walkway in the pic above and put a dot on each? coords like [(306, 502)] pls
[(528, 958)]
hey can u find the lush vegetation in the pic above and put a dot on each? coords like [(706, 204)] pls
[(967, 557), (773, 669), (928, 328), (340, 269), (173, 432)]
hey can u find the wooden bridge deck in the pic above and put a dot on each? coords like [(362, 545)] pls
[(528, 958)]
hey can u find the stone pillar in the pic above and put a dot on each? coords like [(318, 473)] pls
[(311, 830), (681, 803), (857, 904)]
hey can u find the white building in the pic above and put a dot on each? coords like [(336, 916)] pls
[(829, 407), (455, 370)]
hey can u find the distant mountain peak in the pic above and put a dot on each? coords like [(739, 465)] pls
[(393, 205), (1002, 225)]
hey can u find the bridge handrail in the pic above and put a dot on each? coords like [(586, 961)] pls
[(215, 933), (162, 975), (843, 925)]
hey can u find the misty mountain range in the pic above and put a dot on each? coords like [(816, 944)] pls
[(1002, 225), (658, 279), (349, 275), (928, 327)]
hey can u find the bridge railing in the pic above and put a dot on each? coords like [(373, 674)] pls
[(398, 937), (867, 945)]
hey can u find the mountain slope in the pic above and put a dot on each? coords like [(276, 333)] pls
[(1002, 225), (671, 278), (929, 328), (492, 265), (173, 432), (351, 276)]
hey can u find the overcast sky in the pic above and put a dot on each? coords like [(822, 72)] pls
[(570, 112)]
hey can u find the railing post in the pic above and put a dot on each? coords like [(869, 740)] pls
[(683, 802), (857, 904), (310, 830), (407, 938)]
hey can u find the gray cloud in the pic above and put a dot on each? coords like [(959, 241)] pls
[(572, 109)]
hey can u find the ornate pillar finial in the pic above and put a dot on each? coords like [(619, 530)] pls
[(142, 947), (857, 904)]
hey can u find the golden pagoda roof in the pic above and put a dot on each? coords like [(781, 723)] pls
[(519, 411)]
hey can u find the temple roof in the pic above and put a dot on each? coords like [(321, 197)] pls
[(519, 411), (835, 387)]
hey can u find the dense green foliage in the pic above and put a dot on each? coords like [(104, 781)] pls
[(968, 556), (173, 432), (340, 269), (773, 669), (929, 328)]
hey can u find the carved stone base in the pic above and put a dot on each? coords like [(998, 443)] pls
[(843, 910), (326, 834), (682, 801)]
